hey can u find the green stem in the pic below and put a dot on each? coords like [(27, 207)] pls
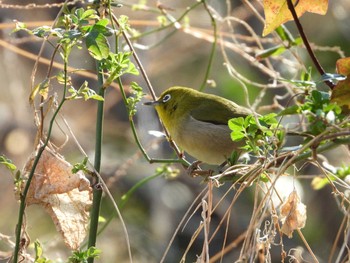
[(97, 189), (23, 195), (126, 197), (213, 47)]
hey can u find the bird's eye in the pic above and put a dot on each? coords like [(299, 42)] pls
[(166, 98)]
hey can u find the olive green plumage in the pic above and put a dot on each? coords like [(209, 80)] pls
[(197, 122)]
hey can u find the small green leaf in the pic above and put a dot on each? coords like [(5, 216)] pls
[(297, 42), (234, 157), (39, 258), (7, 163), (42, 88), (43, 31), (90, 13), (123, 23), (273, 51), (318, 182), (20, 26), (88, 93), (284, 34), (80, 166), (306, 75), (268, 120)]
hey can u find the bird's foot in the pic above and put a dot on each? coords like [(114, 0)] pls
[(194, 170)]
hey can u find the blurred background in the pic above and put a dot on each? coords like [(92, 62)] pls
[(170, 57)]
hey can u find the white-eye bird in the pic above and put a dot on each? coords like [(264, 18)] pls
[(198, 122)]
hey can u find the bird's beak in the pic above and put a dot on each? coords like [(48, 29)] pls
[(152, 103)]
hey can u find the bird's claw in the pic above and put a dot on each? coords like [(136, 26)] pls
[(194, 170)]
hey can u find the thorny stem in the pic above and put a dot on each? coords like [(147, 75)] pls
[(97, 190), (307, 44), (35, 163)]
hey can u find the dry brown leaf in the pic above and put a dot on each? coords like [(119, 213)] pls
[(341, 92), (64, 195), (277, 12), (293, 214)]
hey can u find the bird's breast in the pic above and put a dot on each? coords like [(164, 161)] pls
[(207, 142)]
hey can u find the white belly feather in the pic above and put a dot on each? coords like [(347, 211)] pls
[(207, 142)]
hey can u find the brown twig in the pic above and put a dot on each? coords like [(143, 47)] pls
[(307, 44)]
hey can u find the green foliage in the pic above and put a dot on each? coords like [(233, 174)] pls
[(123, 22), (83, 256), (338, 173), (258, 136), (17, 175), (7, 163), (116, 65), (285, 36), (81, 166), (133, 100), (318, 109), (39, 257), (83, 92), (96, 41), (73, 28)]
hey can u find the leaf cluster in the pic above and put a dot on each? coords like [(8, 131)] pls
[(319, 111), (84, 255), (259, 134)]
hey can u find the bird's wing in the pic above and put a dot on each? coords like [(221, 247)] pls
[(219, 112)]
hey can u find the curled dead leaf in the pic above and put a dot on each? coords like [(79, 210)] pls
[(292, 214), (65, 196)]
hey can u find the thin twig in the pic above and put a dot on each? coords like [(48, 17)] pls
[(213, 47), (307, 44)]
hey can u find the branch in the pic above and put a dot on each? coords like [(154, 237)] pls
[(307, 44)]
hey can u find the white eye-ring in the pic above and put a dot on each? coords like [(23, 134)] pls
[(166, 98)]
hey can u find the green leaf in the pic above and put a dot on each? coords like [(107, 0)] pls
[(83, 256), (297, 42), (306, 75), (80, 166), (284, 34), (273, 51), (268, 120), (103, 22), (123, 23), (39, 258), (237, 136), (43, 31), (93, 252), (42, 88), (90, 13), (236, 124), (88, 93), (7, 163), (97, 45), (20, 26), (133, 100)]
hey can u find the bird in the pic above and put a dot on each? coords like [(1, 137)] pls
[(198, 122)]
